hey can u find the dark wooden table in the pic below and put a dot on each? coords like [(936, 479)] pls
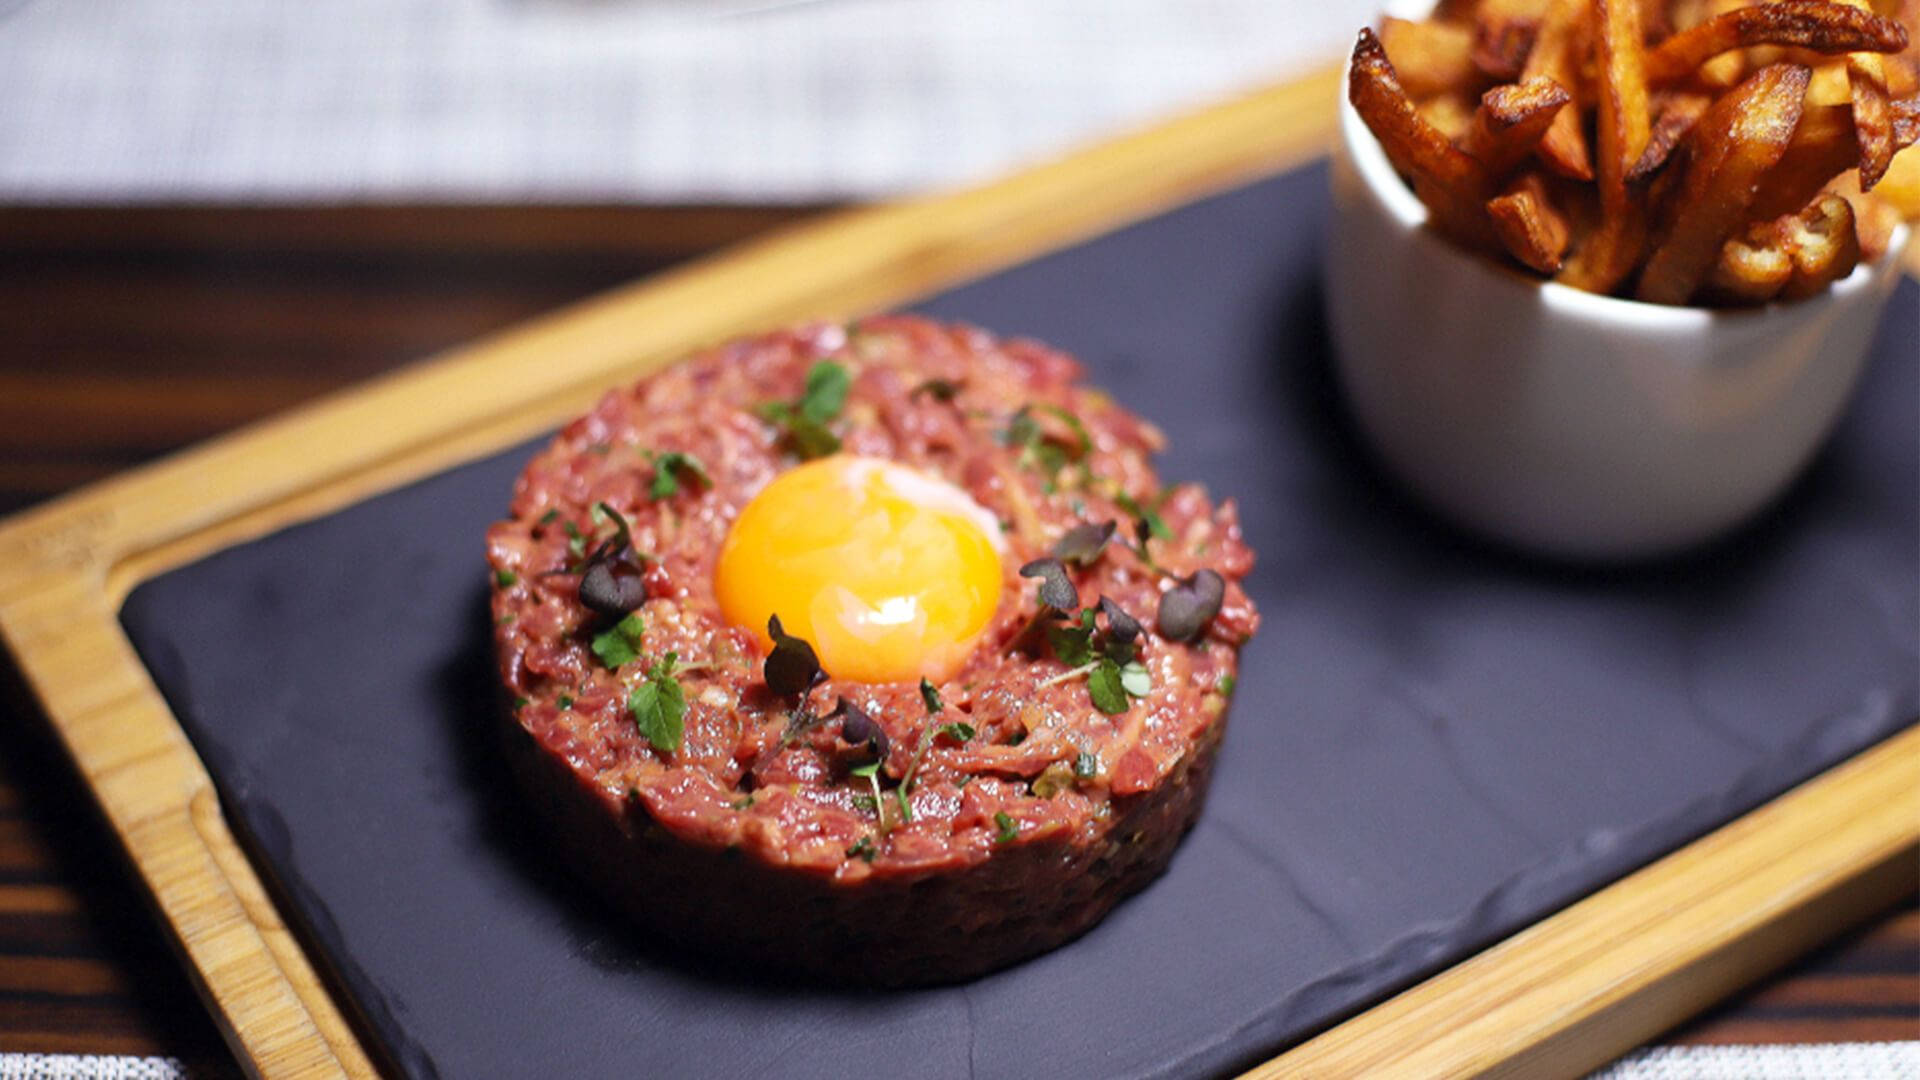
[(127, 332)]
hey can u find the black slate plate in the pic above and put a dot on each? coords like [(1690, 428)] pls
[(1434, 744)]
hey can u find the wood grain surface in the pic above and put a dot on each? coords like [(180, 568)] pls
[(129, 332)]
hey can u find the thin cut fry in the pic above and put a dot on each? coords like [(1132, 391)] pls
[(1874, 218), (1445, 177), (1872, 118), (1677, 117), (1823, 146), (1823, 244), (1725, 71), (1451, 114), (1900, 188), (1510, 122), (1504, 35), (1429, 57), (1564, 147), (1820, 25), (1739, 139), (1752, 268), (1528, 225), (1609, 255)]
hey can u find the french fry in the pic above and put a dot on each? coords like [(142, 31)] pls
[(1872, 117), (1450, 114), (1677, 117), (1445, 177), (1829, 85), (1504, 34), (1823, 146), (1824, 26), (1874, 218), (1510, 122), (1609, 255), (1900, 188), (1725, 71), (1429, 57), (1564, 147), (1752, 268), (1733, 145), (1528, 225), (1822, 242)]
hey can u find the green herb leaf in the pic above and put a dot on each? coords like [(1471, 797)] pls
[(1144, 517), (620, 643), (871, 768), (548, 518), (862, 849), (1226, 685), (1104, 685), (865, 802), (958, 731), (659, 706), (576, 543), (667, 469), (1082, 441), (1009, 828), (506, 579), (566, 701), (826, 393), (521, 703), (1087, 765), (930, 696), (1073, 643)]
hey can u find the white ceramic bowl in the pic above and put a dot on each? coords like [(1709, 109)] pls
[(1570, 424)]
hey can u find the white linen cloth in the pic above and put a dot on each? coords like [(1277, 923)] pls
[(617, 100)]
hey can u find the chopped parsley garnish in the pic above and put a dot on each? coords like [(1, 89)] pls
[(1146, 519), (1187, 608), (862, 849), (576, 542), (1042, 450), (659, 706), (566, 701), (930, 696), (1226, 685), (668, 470), (958, 731), (548, 518), (620, 643), (506, 579), (805, 421), (521, 703), (1009, 828), (1108, 658), (1086, 766), (1054, 779)]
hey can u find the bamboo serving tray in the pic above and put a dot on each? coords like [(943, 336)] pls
[(1569, 993)]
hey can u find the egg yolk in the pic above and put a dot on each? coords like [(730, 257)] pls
[(889, 573)]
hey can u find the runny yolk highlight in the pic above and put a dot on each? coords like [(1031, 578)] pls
[(891, 574)]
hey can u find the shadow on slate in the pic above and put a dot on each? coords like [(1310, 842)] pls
[(1434, 743)]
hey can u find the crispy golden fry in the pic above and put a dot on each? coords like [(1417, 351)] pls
[(1725, 71), (1900, 188), (1823, 244), (1732, 146), (1504, 34), (1874, 218), (1609, 255), (1429, 57), (1829, 85), (1450, 114), (1528, 225), (1677, 116), (1445, 177), (1821, 25), (1824, 146), (1872, 117), (1752, 268), (1510, 122), (1564, 147)]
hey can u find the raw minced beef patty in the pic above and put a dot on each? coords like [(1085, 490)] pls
[(1030, 809)]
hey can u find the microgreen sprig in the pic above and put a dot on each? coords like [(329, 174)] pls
[(804, 422), (670, 468), (659, 705)]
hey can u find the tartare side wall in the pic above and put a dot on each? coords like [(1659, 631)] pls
[(1838, 847)]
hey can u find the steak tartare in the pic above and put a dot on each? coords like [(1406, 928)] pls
[(892, 788)]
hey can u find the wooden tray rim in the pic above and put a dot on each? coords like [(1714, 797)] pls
[(1560, 997)]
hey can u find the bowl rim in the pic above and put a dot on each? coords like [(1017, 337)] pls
[(1392, 195)]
